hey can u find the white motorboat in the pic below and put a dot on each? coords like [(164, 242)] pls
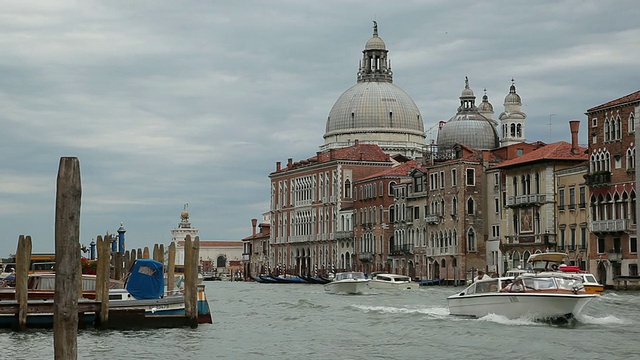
[(547, 295), (392, 282), (352, 282)]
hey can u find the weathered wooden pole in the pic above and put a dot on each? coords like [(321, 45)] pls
[(140, 254), (67, 239), (161, 253), (145, 253), (23, 260), (171, 268), (155, 252), (102, 279), (117, 259), (188, 289), (193, 281)]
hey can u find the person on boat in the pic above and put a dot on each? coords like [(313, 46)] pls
[(515, 286), (481, 276)]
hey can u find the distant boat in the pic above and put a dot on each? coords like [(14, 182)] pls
[(352, 282), (429, 282)]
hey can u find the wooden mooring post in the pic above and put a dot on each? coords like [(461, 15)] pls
[(171, 265), (23, 260), (191, 261), (67, 245), (102, 279)]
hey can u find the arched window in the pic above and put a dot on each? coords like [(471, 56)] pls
[(519, 131), (618, 128), (607, 136), (454, 206), (471, 240), (513, 130), (470, 206), (221, 261), (347, 188), (515, 257), (631, 126)]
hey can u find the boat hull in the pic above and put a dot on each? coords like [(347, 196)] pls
[(396, 286), (516, 305), (351, 286)]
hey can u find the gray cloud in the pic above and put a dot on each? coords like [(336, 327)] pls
[(166, 103)]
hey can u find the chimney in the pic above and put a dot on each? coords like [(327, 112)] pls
[(289, 162), (253, 225), (278, 166), (575, 127), (357, 142)]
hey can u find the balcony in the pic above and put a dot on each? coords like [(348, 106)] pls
[(525, 200), (366, 257), (615, 255), (610, 226), (404, 249), (432, 219), (600, 178), (341, 235)]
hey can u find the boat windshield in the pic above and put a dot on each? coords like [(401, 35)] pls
[(483, 287), (350, 275), (547, 283)]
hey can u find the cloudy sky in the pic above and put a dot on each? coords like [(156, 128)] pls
[(173, 102)]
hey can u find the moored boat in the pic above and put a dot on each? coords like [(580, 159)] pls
[(352, 282)]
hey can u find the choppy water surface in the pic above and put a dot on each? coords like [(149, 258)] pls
[(291, 321)]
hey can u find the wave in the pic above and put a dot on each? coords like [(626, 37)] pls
[(607, 320), (433, 311), (503, 320)]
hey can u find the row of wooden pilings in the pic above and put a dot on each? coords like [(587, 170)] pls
[(68, 285)]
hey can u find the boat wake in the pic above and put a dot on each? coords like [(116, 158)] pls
[(607, 320), (431, 311), (499, 319)]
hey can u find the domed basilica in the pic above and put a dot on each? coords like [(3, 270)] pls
[(376, 111)]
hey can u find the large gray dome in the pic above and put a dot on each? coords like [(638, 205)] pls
[(370, 107), (374, 110), (468, 126), (471, 130)]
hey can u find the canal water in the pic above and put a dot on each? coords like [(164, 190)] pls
[(292, 321)]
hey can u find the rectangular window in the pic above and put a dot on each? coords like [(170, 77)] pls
[(583, 238), (496, 204), (562, 238), (594, 122), (633, 245), (573, 239), (471, 177), (442, 179), (418, 183), (572, 198), (454, 176), (495, 230), (561, 199), (583, 197), (601, 246), (416, 212)]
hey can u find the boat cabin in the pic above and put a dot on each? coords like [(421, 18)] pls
[(349, 276)]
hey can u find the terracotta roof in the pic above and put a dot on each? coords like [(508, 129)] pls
[(395, 171), (560, 150), (620, 101), (357, 152)]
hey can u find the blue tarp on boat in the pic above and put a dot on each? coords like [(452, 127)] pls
[(146, 280)]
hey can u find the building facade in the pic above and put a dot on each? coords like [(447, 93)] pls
[(612, 181)]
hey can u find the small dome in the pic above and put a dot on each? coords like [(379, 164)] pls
[(375, 43), (512, 97), (485, 106)]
